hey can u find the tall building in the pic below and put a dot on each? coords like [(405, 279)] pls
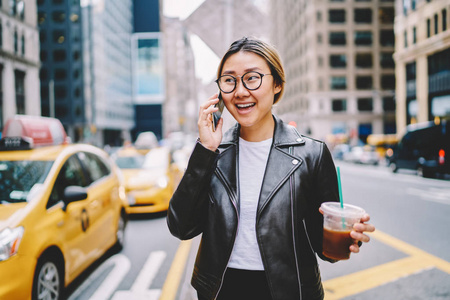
[(61, 72), (149, 90), (180, 106), (339, 66), (19, 59), (107, 31), (422, 57)]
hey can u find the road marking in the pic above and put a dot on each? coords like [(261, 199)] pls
[(121, 266), (417, 261), (140, 288), (171, 285), (432, 194)]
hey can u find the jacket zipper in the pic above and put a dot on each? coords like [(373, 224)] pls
[(291, 182), (234, 242)]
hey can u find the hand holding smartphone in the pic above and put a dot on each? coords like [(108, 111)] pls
[(218, 114)]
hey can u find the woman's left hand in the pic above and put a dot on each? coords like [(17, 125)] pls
[(358, 233)]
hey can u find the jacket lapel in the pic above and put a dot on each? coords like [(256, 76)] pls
[(281, 164)]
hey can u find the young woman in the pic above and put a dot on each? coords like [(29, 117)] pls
[(254, 193)]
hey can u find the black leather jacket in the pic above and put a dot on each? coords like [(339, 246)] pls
[(300, 175)]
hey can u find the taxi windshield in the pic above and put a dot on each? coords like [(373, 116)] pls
[(17, 178), (130, 162)]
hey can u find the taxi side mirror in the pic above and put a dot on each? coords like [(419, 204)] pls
[(74, 193)]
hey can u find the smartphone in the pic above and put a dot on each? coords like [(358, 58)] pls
[(218, 114)]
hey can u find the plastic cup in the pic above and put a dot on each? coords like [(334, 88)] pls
[(337, 224)]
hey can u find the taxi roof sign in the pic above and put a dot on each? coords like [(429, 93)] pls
[(36, 130)]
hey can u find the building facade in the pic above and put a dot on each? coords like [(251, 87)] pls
[(61, 72), (180, 107), (149, 91), (422, 58), (339, 66), (19, 59), (107, 31)]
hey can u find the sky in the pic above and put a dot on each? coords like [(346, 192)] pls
[(204, 57)]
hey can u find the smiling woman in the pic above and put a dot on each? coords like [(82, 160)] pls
[(254, 192)]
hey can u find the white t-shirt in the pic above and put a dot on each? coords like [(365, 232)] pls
[(252, 165)]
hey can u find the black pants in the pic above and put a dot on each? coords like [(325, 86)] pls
[(243, 285)]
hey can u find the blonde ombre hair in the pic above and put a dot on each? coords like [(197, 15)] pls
[(266, 51)]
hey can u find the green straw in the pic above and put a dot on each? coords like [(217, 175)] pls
[(340, 188), (340, 194)]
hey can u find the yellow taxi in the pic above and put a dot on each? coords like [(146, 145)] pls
[(61, 208), (150, 179)]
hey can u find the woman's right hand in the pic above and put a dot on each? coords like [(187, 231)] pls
[(210, 139)]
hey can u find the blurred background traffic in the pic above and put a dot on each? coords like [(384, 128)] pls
[(358, 71)]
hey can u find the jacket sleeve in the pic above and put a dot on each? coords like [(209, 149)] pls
[(325, 190), (189, 203)]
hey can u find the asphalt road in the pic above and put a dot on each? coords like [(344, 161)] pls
[(408, 256)]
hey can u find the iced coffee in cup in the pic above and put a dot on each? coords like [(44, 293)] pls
[(337, 224)]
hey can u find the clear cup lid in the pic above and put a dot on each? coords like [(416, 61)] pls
[(349, 211)]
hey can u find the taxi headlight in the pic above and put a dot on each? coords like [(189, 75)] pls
[(162, 182), (9, 242)]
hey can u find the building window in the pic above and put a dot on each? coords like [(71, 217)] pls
[(58, 36), (59, 55), (337, 38), (363, 15), (1, 33), (60, 92), (12, 7), (388, 82), (336, 15), (59, 16), (364, 82), (444, 20), (42, 37), (388, 104), (386, 15), (363, 60), (43, 55), (43, 74), (405, 38), (21, 9), (60, 74), (23, 44), (16, 42), (365, 104), (338, 105), (363, 38), (414, 41), (41, 17), (386, 60), (387, 38), (338, 61), (20, 91), (436, 24), (428, 28), (338, 83)]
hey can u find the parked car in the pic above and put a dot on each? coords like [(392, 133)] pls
[(362, 155), (424, 147), (61, 208)]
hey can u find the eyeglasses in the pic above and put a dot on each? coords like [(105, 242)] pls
[(251, 81)]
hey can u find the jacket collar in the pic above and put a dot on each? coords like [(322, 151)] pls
[(284, 136)]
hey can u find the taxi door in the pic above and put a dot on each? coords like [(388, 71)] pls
[(103, 208), (75, 222)]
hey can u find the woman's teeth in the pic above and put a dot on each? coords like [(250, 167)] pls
[(245, 105)]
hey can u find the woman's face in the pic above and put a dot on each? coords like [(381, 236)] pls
[(251, 109)]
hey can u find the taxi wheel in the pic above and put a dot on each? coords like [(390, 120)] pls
[(48, 280)]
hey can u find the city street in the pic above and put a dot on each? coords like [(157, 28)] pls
[(408, 256)]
